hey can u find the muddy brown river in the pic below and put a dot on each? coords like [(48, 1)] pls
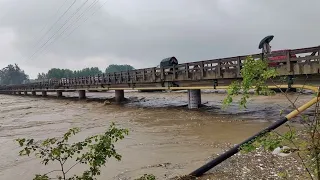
[(165, 139)]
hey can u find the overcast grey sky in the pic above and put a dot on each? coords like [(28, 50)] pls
[(142, 32)]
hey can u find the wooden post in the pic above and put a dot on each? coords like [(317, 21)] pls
[(103, 78), (135, 76), (162, 73), (238, 66), (289, 67), (187, 70), (143, 74), (201, 70), (319, 56), (154, 74), (120, 77), (219, 68), (174, 72)]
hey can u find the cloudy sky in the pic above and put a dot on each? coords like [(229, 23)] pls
[(42, 34)]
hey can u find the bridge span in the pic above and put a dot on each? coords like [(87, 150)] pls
[(294, 64)]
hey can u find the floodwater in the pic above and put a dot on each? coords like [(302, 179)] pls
[(165, 138)]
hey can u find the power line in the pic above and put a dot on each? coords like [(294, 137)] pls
[(86, 19), (70, 17), (55, 22), (53, 16), (79, 17)]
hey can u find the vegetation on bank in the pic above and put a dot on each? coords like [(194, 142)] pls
[(304, 143), (13, 74)]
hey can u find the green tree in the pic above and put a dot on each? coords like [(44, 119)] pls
[(67, 73), (254, 74), (87, 72), (93, 151), (41, 76), (12, 74), (118, 67), (305, 143)]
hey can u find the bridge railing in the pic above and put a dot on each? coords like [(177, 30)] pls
[(199, 70)]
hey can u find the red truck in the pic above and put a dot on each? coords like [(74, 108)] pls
[(280, 57)]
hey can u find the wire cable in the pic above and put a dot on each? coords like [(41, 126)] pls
[(84, 20), (52, 26), (78, 18), (70, 17)]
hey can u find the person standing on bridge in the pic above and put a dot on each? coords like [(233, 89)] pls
[(265, 45)]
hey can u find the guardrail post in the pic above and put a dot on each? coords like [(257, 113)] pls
[(187, 70), (143, 74), (174, 72), (289, 67), (319, 56), (238, 66), (154, 74), (162, 73), (201, 69), (135, 76), (219, 68)]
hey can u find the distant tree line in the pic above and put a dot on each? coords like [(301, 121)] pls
[(67, 73), (13, 74)]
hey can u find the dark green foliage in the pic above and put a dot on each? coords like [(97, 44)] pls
[(67, 73), (306, 144), (93, 71), (93, 151), (255, 73), (12, 74), (118, 67)]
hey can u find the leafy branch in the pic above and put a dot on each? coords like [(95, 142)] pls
[(93, 151), (305, 142), (254, 73)]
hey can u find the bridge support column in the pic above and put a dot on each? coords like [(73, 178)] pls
[(44, 93), (25, 92), (59, 93), (33, 93), (82, 94), (119, 95), (19, 92), (14, 92), (194, 98)]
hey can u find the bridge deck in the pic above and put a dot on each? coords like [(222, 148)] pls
[(200, 73)]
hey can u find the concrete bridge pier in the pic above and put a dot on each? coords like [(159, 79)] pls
[(119, 95), (44, 93), (33, 93), (82, 94), (19, 92), (194, 98), (59, 93), (25, 92)]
